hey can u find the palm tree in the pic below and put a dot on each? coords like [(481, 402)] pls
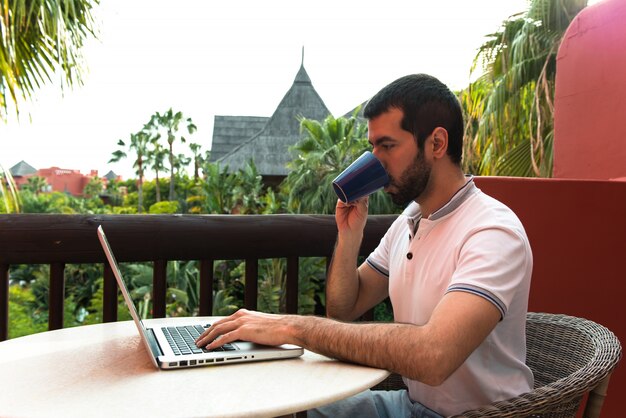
[(156, 161), (93, 188), (248, 190), (170, 122), (139, 146), (35, 42), (510, 107), (10, 201), (198, 159), (218, 189), (327, 149), (181, 161), (36, 184)]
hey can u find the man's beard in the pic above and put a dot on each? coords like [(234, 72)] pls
[(412, 182)]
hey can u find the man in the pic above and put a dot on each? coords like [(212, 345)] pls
[(456, 265)]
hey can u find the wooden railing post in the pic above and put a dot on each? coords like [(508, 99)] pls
[(4, 302), (251, 289), (293, 264), (56, 296), (159, 287), (109, 297), (206, 288)]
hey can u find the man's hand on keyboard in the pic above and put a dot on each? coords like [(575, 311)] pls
[(244, 325)]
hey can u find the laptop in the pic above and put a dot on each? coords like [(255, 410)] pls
[(171, 345)]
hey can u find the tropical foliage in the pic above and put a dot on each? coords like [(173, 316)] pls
[(149, 153), (327, 149), (509, 108), (167, 125), (138, 145), (9, 197), (217, 190), (37, 41)]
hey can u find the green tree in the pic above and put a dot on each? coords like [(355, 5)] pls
[(181, 161), (38, 39), (156, 160), (170, 123), (9, 196), (249, 189), (510, 107), (36, 184), (217, 188), (93, 188), (113, 192), (198, 159), (23, 320), (138, 145), (327, 148)]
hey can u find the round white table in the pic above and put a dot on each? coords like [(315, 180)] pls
[(103, 370)]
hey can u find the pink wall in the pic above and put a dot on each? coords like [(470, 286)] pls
[(590, 97), (62, 180), (577, 231)]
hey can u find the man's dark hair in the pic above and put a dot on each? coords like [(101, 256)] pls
[(426, 104)]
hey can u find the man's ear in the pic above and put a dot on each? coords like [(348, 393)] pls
[(440, 142)]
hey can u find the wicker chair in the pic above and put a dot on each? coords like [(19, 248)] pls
[(569, 357)]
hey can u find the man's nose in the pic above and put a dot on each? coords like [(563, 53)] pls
[(382, 161)]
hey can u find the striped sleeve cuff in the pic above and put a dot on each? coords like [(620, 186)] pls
[(462, 287), (377, 267)]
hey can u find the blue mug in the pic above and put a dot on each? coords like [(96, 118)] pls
[(362, 178)]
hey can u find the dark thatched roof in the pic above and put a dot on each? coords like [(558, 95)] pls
[(269, 148), (231, 131), (22, 169)]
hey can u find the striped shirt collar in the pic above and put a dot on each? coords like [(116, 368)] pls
[(414, 214)]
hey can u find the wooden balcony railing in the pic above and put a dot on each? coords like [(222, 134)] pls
[(58, 240)]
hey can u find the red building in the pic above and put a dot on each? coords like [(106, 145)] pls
[(67, 181), (58, 179)]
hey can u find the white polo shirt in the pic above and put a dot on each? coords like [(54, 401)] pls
[(472, 244)]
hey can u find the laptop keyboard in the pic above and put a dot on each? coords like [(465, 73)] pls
[(182, 340)]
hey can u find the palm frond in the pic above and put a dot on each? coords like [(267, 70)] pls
[(38, 40), (11, 202), (510, 106)]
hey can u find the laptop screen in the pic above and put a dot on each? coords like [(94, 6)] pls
[(120, 282)]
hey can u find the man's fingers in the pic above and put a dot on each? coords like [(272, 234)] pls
[(207, 336), (217, 328), (221, 340), (215, 336)]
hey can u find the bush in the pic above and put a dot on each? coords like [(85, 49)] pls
[(125, 210), (23, 322), (165, 207)]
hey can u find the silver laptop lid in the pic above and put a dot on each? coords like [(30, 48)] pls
[(125, 293)]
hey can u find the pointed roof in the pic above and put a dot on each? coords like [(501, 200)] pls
[(231, 131), (110, 175), (22, 169), (302, 77), (269, 148)]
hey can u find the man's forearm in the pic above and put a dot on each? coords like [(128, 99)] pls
[(390, 346), (342, 283)]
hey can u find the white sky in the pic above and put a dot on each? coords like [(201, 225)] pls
[(239, 57)]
